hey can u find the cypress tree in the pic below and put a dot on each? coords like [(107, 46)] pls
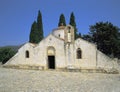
[(33, 34), (40, 26), (62, 20), (36, 34), (73, 23)]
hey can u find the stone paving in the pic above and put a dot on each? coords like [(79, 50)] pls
[(18, 80)]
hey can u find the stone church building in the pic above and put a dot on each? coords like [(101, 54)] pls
[(59, 50)]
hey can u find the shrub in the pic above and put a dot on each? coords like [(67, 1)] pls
[(5, 54)]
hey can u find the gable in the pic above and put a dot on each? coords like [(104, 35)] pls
[(50, 40), (83, 42)]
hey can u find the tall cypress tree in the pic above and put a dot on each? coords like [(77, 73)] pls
[(33, 38), (62, 20), (73, 23), (36, 34), (40, 26)]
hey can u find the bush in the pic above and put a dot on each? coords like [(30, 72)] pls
[(5, 54)]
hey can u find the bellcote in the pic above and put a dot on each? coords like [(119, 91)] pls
[(69, 34)]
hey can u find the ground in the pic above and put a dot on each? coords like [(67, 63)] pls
[(18, 80)]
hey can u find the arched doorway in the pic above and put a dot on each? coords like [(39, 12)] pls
[(51, 62), (51, 57)]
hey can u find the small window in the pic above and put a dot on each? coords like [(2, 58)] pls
[(79, 53), (27, 54), (69, 29), (59, 35)]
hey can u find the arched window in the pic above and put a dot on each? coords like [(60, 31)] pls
[(59, 35), (69, 29), (27, 54), (79, 53)]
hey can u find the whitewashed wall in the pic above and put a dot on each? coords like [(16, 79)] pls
[(59, 33), (88, 49), (105, 62), (59, 51)]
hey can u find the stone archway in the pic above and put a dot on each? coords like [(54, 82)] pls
[(51, 57)]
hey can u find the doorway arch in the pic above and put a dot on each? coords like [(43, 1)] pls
[(51, 57)]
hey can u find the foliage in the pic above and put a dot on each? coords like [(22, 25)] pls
[(40, 26), (33, 33), (79, 35), (6, 54), (36, 34), (73, 23), (107, 38), (87, 37), (62, 21)]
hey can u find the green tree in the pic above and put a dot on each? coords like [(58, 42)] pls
[(107, 38), (62, 21), (73, 23), (36, 33), (79, 35), (6, 54), (40, 26), (87, 37)]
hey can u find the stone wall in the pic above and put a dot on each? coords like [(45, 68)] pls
[(88, 59), (38, 55), (58, 45), (59, 33), (107, 63)]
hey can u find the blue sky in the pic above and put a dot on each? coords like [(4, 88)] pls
[(16, 16)]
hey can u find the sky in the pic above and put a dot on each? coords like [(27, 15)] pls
[(17, 16)]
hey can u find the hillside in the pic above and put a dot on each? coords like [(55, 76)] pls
[(15, 48)]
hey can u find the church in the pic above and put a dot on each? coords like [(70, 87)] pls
[(60, 51)]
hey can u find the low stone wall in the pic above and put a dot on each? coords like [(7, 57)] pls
[(106, 63), (97, 70), (24, 67)]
